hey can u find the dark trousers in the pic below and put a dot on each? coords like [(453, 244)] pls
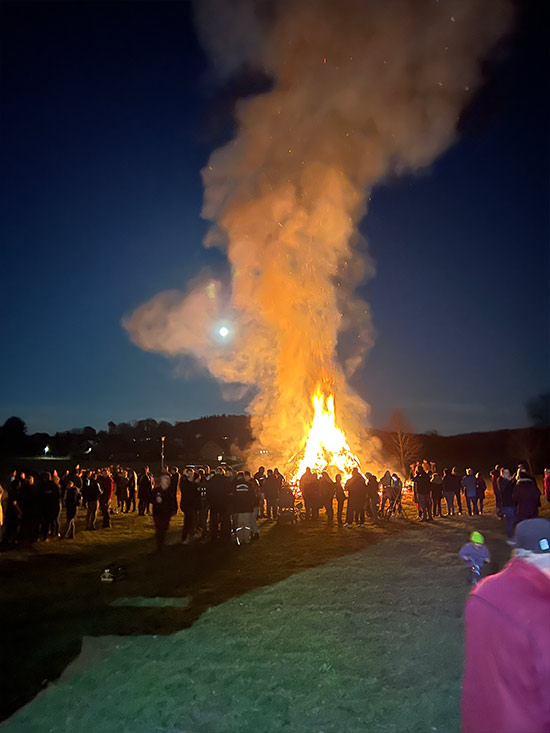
[(312, 508), (339, 510), (480, 500), (510, 516), (450, 499), (161, 528), (104, 509), (372, 507), (70, 529), (272, 507), (355, 513), (471, 503), (458, 501), (91, 514), (220, 523), (329, 510), (436, 504), (131, 502), (425, 501), (143, 506), (190, 522)]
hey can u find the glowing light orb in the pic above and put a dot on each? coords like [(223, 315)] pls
[(223, 331)]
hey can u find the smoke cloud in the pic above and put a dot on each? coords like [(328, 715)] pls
[(362, 90)]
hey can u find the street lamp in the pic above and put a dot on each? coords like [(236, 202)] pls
[(163, 438)]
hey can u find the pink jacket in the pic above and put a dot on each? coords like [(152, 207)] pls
[(506, 686)]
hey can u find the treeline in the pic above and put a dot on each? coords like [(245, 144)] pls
[(204, 438)]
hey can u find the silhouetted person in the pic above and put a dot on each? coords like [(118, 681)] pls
[(131, 490), (340, 496), (175, 480), (190, 504), (218, 490), (436, 484), (372, 498), (423, 493), (326, 494), (357, 493), (526, 496), (72, 501), (270, 488), (91, 493), (145, 489), (309, 490), (448, 491), (49, 499), (457, 488), (469, 486), (107, 485), (161, 500)]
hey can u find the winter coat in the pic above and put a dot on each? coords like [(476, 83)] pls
[(469, 484), (526, 496), (507, 665), (243, 497), (505, 487)]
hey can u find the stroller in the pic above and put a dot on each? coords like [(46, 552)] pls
[(289, 512), (395, 507)]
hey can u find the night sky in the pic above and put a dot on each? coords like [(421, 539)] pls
[(109, 111)]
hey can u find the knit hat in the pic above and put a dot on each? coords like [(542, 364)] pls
[(534, 535)]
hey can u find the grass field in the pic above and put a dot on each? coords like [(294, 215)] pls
[(316, 629)]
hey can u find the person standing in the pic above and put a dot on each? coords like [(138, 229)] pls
[(547, 484), (175, 481), (423, 491), (326, 495), (107, 487), (507, 641), (387, 493), (448, 492), (371, 497), (481, 488), (469, 486), (436, 484), (131, 490), (505, 490), (340, 495), (308, 489), (457, 488), (270, 489), (243, 503), (145, 490), (218, 493), (259, 476), (161, 500), (91, 493), (49, 498), (356, 489), (526, 496), (495, 475), (190, 504), (72, 500)]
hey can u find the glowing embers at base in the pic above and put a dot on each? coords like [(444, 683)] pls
[(326, 446)]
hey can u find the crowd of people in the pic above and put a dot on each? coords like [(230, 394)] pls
[(217, 503)]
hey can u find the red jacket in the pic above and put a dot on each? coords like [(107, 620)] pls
[(507, 666)]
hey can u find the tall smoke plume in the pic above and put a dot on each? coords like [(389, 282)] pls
[(362, 90)]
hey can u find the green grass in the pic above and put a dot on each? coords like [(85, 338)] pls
[(368, 641)]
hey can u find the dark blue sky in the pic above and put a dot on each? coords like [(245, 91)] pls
[(108, 114)]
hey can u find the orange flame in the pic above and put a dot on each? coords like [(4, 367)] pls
[(326, 445)]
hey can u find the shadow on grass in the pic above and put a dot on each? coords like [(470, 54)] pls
[(55, 598)]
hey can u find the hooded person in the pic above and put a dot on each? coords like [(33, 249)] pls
[(505, 488), (469, 486), (507, 641), (526, 495)]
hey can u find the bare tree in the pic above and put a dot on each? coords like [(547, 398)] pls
[(407, 445)]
